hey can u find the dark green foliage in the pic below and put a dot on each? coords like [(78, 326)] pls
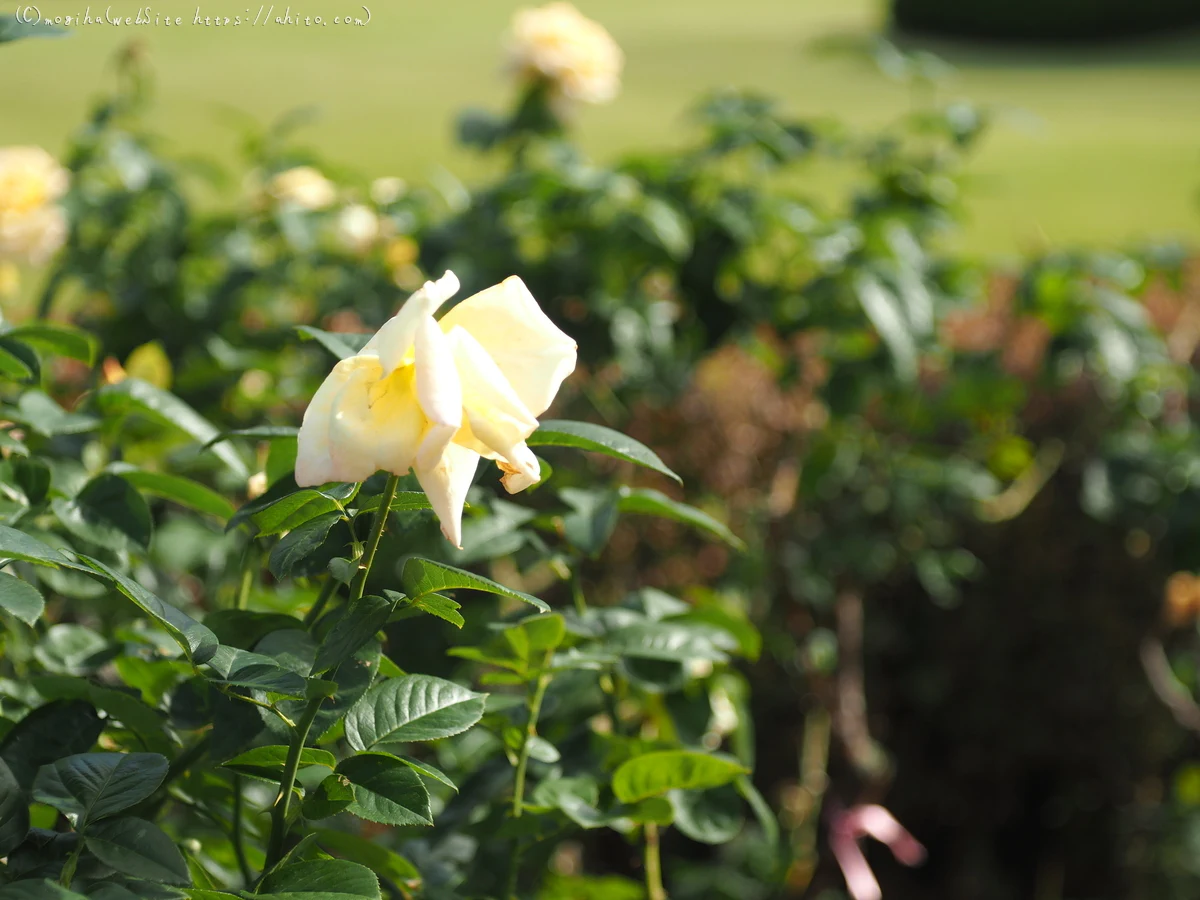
[(870, 476), (1052, 20)]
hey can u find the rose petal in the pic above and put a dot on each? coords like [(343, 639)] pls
[(496, 417), (438, 391), (522, 472), (400, 423), (534, 355), (445, 484), (313, 463), (394, 341), (354, 435)]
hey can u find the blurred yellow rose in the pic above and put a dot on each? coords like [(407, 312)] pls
[(32, 224), (576, 55), (435, 396), (304, 187), (400, 252)]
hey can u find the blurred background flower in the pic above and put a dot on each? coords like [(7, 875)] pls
[(33, 224), (575, 55), (304, 187)]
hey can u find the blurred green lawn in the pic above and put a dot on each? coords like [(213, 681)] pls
[(1099, 147)]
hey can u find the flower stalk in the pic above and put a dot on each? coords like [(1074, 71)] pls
[(518, 802), (359, 583), (535, 710), (280, 812), (653, 858)]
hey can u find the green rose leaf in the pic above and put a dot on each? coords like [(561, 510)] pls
[(94, 785), (41, 413), (121, 706), (72, 649), (386, 790), (12, 366), (647, 502), (353, 677), (257, 671), (37, 888), (429, 771), (20, 599), (763, 813), (183, 491), (135, 395), (292, 511), (298, 545), (321, 879), (676, 642), (14, 811), (138, 848), (18, 545), (404, 501), (243, 628), (10, 443), (198, 642), (60, 339), (593, 516), (328, 798), (109, 512), (389, 865), (424, 576), (710, 817), (33, 478), (577, 797), (442, 607), (655, 774), (268, 762), (261, 433), (598, 439), (357, 625), (412, 708), (57, 729)]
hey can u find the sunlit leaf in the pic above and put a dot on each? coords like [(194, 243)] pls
[(598, 439), (654, 774)]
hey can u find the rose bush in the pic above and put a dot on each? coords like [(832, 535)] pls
[(325, 683)]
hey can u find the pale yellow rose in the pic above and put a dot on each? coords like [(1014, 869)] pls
[(32, 224), (435, 396), (302, 186), (576, 55), (357, 228)]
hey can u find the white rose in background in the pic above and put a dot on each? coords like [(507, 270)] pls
[(576, 55), (435, 396), (33, 226), (357, 228), (302, 186), (387, 189)]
